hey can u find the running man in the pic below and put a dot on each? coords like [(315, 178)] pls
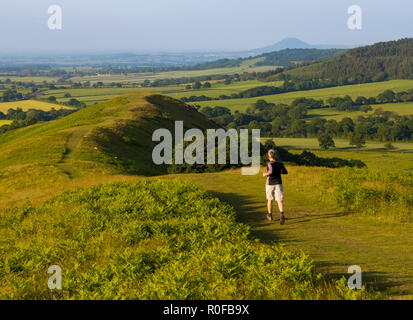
[(274, 186)]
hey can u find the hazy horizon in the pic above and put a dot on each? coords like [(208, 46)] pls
[(103, 26)]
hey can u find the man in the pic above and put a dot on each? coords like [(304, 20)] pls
[(274, 186)]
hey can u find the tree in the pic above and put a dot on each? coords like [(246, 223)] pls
[(52, 99), (357, 140), (326, 141), (207, 85), (386, 96), (366, 109)]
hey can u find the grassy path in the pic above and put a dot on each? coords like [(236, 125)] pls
[(73, 141), (335, 240)]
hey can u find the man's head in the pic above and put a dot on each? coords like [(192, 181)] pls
[(271, 154)]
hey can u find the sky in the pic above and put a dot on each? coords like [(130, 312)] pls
[(195, 25)]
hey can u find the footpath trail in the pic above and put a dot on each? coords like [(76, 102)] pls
[(334, 240), (73, 141)]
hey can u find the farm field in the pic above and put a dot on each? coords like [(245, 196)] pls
[(374, 155), (93, 95), (140, 77), (312, 144), (35, 79), (367, 90), (29, 104), (334, 114)]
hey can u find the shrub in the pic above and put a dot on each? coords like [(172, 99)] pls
[(148, 240)]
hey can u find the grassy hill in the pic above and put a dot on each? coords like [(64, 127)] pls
[(113, 137)]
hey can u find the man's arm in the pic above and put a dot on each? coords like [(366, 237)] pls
[(283, 169), (269, 171)]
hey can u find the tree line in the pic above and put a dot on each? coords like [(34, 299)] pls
[(281, 120), (26, 118)]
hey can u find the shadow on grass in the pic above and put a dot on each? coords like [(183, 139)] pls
[(309, 218), (373, 280), (253, 213)]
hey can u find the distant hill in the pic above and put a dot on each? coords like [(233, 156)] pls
[(378, 62), (290, 56), (287, 43), (286, 57), (294, 43)]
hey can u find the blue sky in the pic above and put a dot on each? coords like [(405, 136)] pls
[(195, 25)]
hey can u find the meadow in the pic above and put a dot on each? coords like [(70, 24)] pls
[(341, 145), (95, 95), (140, 77), (367, 90), (334, 114)]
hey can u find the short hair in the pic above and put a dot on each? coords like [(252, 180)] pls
[(271, 153)]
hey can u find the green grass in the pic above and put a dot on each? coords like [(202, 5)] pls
[(334, 114), (374, 155), (368, 90), (136, 241), (334, 237), (44, 159), (97, 95), (140, 77), (341, 144)]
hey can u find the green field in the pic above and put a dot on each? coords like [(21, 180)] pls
[(94, 95), (367, 90), (140, 77), (343, 144), (29, 104), (334, 114), (373, 154)]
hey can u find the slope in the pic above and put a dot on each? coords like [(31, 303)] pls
[(378, 62), (114, 137)]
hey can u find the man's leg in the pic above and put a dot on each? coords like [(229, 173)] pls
[(281, 206), (269, 206)]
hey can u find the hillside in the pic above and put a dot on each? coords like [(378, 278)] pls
[(378, 62), (113, 137), (284, 57)]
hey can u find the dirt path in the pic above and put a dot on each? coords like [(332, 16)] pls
[(334, 240), (73, 141)]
